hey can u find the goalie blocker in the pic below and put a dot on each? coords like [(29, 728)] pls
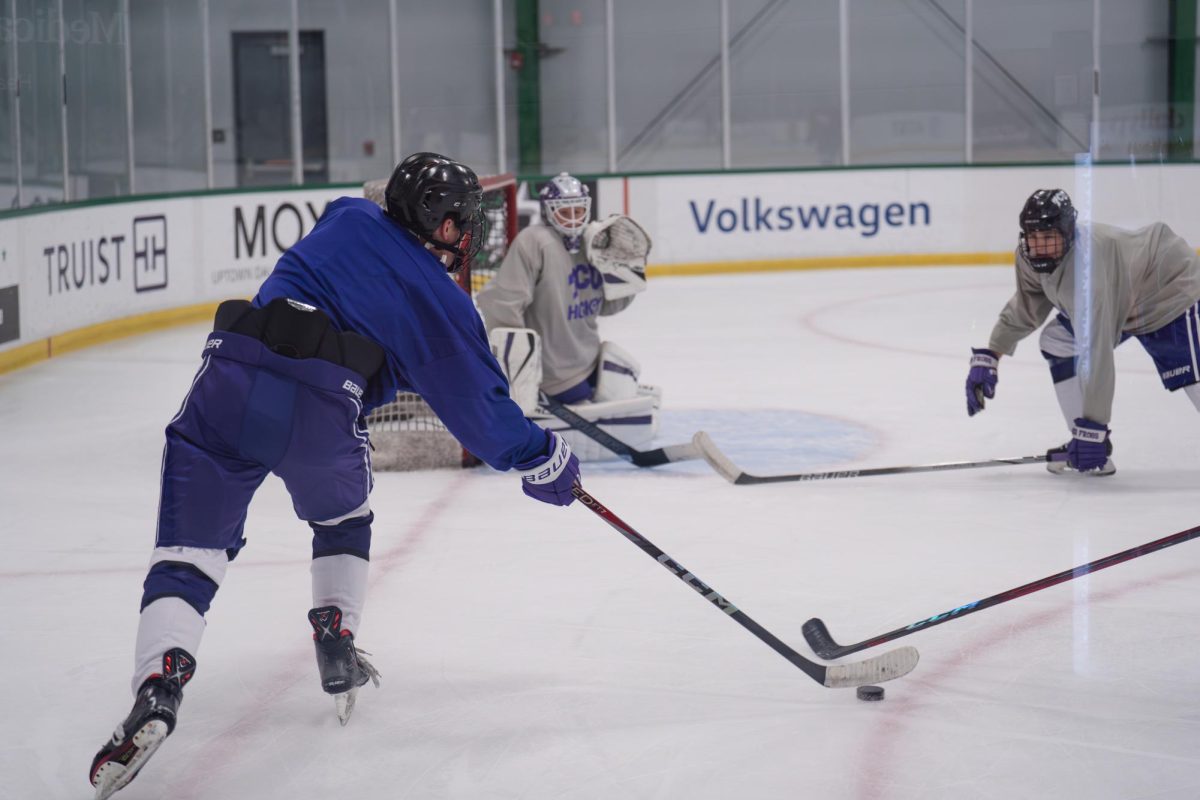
[(621, 406)]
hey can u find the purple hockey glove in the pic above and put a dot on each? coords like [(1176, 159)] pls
[(1088, 448), (981, 380), (550, 478)]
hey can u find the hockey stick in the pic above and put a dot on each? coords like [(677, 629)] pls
[(736, 475), (818, 636), (884, 667), (639, 458)]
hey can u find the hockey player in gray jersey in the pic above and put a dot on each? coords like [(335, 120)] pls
[(1107, 285), (542, 313)]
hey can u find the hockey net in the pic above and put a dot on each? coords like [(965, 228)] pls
[(405, 433)]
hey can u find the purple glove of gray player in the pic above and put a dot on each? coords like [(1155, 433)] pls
[(981, 380), (1089, 447), (550, 478)]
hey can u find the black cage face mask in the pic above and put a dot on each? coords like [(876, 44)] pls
[(1048, 252)]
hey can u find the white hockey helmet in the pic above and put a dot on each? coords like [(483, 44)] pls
[(566, 207)]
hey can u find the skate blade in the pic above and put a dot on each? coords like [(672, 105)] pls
[(112, 776), (1061, 468), (344, 704)]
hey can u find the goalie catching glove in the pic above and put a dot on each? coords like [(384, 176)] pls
[(618, 247)]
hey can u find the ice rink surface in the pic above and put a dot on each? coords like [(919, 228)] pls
[(531, 652)]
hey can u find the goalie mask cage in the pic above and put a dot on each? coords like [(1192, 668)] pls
[(405, 433)]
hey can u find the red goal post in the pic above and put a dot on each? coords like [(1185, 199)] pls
[(406, 434)]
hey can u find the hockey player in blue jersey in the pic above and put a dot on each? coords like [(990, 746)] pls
[(358, 309)]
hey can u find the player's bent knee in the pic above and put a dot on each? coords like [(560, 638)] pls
[(181, 579), (346, 537)]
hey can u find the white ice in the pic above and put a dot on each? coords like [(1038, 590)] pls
[(531, 652)]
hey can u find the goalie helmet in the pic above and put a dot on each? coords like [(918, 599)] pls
[(1047, 210), (424, 189), (566, 207)]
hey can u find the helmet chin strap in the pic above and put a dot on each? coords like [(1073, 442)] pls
[(443, 256)]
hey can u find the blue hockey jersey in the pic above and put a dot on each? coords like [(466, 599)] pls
[(375, 278)]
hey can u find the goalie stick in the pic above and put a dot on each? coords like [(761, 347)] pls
[(821, 641), (736, 475), (884, 667), (639, 458)]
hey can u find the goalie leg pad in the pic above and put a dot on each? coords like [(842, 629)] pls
[(633, 421), (519, 351), (616, 374)]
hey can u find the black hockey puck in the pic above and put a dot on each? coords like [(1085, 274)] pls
[(870, 693)]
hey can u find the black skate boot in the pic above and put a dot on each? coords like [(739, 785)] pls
[(342, 666), (148, 724), (1057, 463)]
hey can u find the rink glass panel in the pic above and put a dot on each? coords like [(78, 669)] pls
[(168, 88)]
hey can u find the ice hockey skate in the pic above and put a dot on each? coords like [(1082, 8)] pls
[(1057, 463), (147, 726), (342, 666)]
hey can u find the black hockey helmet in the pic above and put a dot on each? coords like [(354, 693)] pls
[(424, 189), (1047, 210)]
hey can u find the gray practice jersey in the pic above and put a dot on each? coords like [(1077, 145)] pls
[(542, 286), (1138, 282)]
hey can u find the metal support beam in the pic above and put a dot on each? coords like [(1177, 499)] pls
[(726, 143), (16, 76), (844, 72), (128, 44), (610, 83), (394, 62), (210, 177), (1094, 138), (62, 73), (529, 88), (1181, 80), (501, 119), (294, 85), (969, 98)]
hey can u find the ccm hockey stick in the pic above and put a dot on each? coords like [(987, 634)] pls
[(639, 458), (822, 642), (884, 667), (736, 475)]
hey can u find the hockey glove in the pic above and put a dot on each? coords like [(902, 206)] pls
[(1089, 447), (981, 380), (550, 478)]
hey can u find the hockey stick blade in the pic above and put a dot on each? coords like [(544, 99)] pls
[(885, 667), (639, 458), (738, 476), (823, 644), (821, 640)]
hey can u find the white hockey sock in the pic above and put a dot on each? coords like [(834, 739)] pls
[(341, 580), (166, 623), (1070, 399), (1193, 393)]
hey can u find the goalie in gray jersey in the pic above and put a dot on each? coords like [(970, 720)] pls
[(1107, 285), (542, 313)]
